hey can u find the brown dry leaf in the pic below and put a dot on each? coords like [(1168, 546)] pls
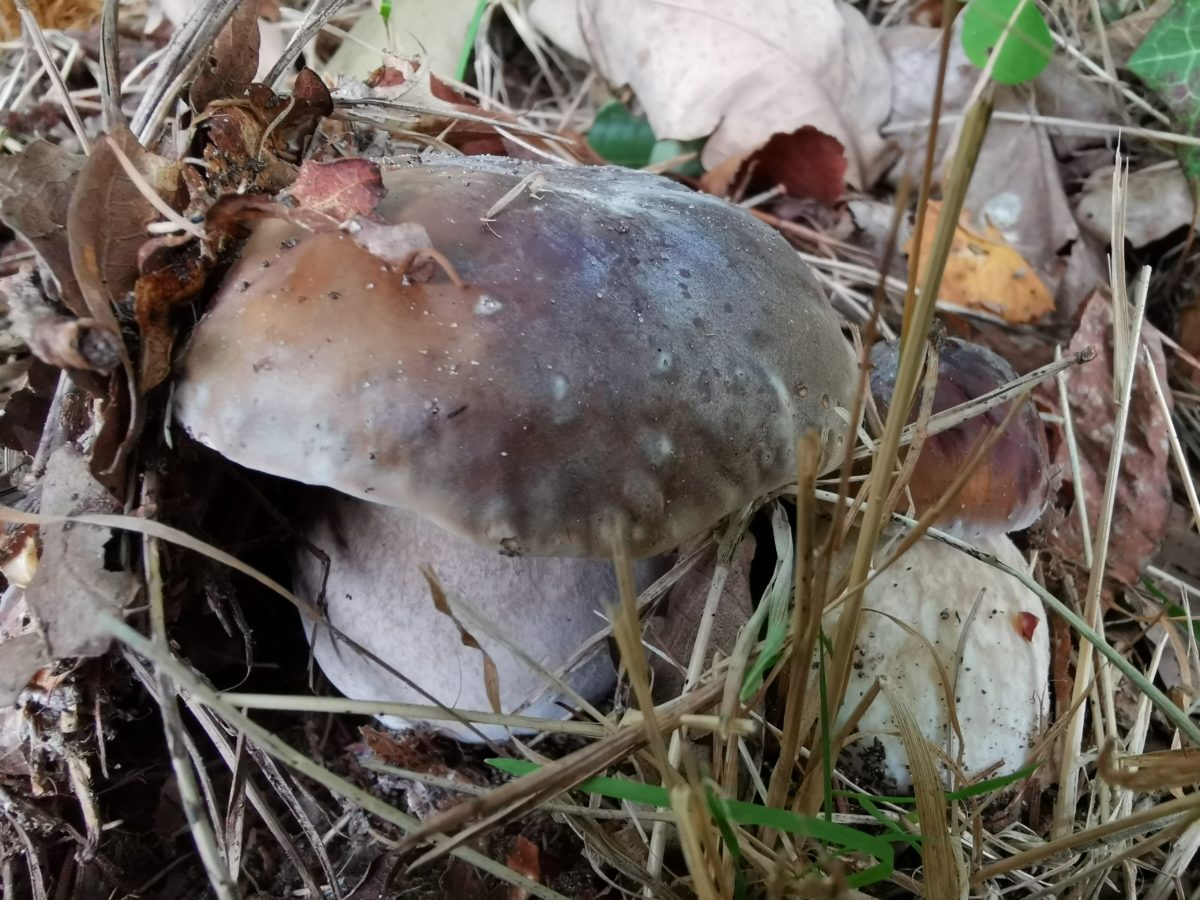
[(35, 194), (525, 860), (108, 218), (310, 102), (808, 164), (229, 65), (743, 70), (983, 272), (1143, 498), (672, 629), (342, 189)]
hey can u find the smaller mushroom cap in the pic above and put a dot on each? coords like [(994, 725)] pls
[(627, 361), (1009, 489)]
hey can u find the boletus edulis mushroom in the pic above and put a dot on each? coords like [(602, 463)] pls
[(610, 360), (945, 628)]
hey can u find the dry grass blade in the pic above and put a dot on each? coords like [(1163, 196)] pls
[(182, 56), (963, 412), (564, 774), (34, 31), (198, 818), (1065, 803), (110, 65), (944, 867), (911, 355), (315, 19), (194, 685), (806, 625)]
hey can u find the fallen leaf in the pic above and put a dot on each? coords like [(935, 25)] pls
[(229, 65), (672, 629), (73, 584), (741, 71), (24, 416), (524, 860), (1157, 202), (983, 272), (1143, 497), (808, 164), (310, 102), (342, 189), (35, 194)]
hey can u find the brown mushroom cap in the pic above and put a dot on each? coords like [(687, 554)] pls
[(1009, 489), (628, 359)]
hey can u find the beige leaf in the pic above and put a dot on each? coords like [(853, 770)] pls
[(743, 70)]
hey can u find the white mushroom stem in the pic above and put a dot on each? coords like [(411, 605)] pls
[(939, 615), (529, 615)]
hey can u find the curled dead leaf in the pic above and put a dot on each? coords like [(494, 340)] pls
[(75, 344)]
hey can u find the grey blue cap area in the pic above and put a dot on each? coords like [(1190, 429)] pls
[(627, 360)]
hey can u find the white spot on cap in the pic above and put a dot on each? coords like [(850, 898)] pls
[(487, 305), (560, 387)]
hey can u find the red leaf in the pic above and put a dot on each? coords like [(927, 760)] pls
[(1027, 624), (807, 163), (342, 189), (525, 860)]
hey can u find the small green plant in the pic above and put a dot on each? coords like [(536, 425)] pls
[(1020, 55), (838, 839)]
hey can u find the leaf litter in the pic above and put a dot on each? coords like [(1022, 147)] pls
[(796, 111)]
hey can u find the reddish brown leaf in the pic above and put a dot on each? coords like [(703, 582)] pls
[(342, 189), (35, 196), (1143, 496), (524, 859), (808, 164), (1026, 624), (156, 294), (228, 67), (311, 102)]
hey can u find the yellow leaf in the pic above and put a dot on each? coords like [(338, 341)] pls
[(984, 272)]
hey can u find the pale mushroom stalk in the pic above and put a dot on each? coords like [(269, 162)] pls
[(610, 359)]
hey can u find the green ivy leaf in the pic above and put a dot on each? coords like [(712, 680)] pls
[(1025, 52), (1168, 61)]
